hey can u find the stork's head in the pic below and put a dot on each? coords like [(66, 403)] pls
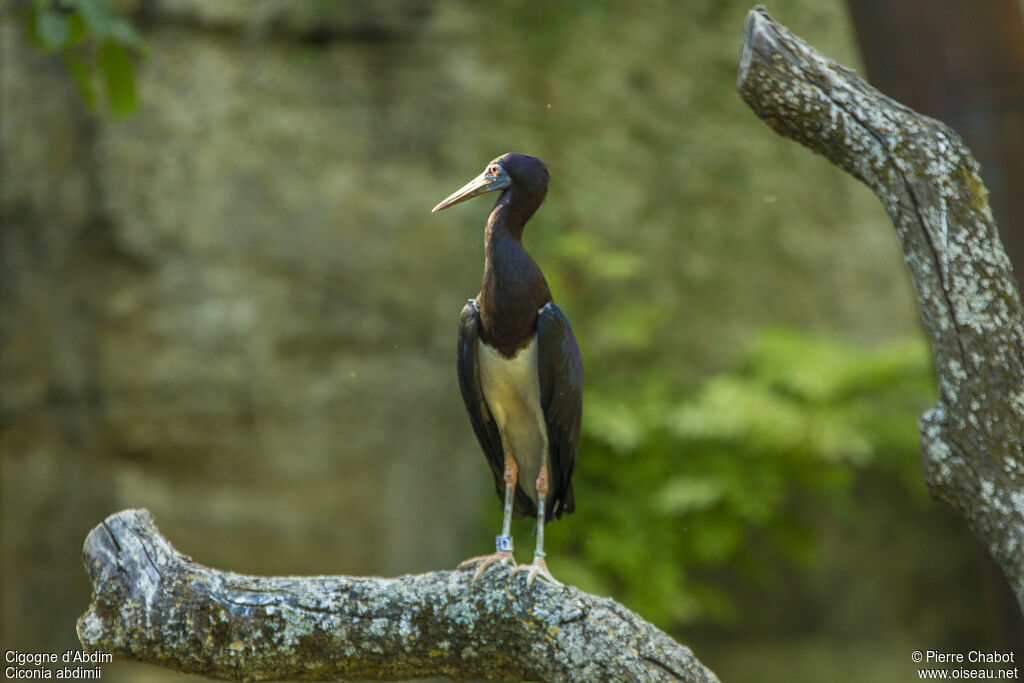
[(527, 175)]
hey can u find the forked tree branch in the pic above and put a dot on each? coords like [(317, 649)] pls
[(153, 604), (931, 188)]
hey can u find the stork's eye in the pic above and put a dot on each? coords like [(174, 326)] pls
[(492, 169)]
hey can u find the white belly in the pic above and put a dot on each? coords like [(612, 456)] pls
[(512, 390)]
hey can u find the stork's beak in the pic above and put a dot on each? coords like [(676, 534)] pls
[(493, 178)]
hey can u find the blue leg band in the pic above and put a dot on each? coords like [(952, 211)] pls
[(503, 543)]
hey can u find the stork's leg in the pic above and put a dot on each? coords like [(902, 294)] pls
[(503, 543), (539, 566)]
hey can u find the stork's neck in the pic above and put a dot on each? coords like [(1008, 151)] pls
[(512, 210), (513, 287)]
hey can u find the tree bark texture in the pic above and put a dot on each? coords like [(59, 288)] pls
[(930, 186), (153, 604), (963, 63)]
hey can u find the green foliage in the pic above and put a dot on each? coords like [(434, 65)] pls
[(676, 495), (94, 42)]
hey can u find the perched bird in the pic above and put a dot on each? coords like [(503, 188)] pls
[(518, 364)]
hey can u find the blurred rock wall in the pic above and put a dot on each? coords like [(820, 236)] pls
[(232, 308)]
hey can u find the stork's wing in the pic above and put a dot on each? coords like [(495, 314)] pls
[(484, 426), (561, 397)]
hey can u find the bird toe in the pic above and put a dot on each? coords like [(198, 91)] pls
[(482, 562), (539, 569)]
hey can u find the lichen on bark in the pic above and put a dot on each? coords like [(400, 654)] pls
[(153, 604)]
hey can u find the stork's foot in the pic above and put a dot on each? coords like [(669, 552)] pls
[(538, 568), (484, 561)]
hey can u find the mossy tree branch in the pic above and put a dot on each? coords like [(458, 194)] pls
[(153, 604), (930, 186)]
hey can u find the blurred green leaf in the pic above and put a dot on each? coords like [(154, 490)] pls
[(621, 426), (597, 259), (715, 539), (734, 409), (53, 27), (98, 16), (90, 37), (78, 32), (82, 77), (123, 31), (116, 67), (686, 494)]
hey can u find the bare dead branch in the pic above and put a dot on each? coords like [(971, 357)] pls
[(931, 188), (153, 604)]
